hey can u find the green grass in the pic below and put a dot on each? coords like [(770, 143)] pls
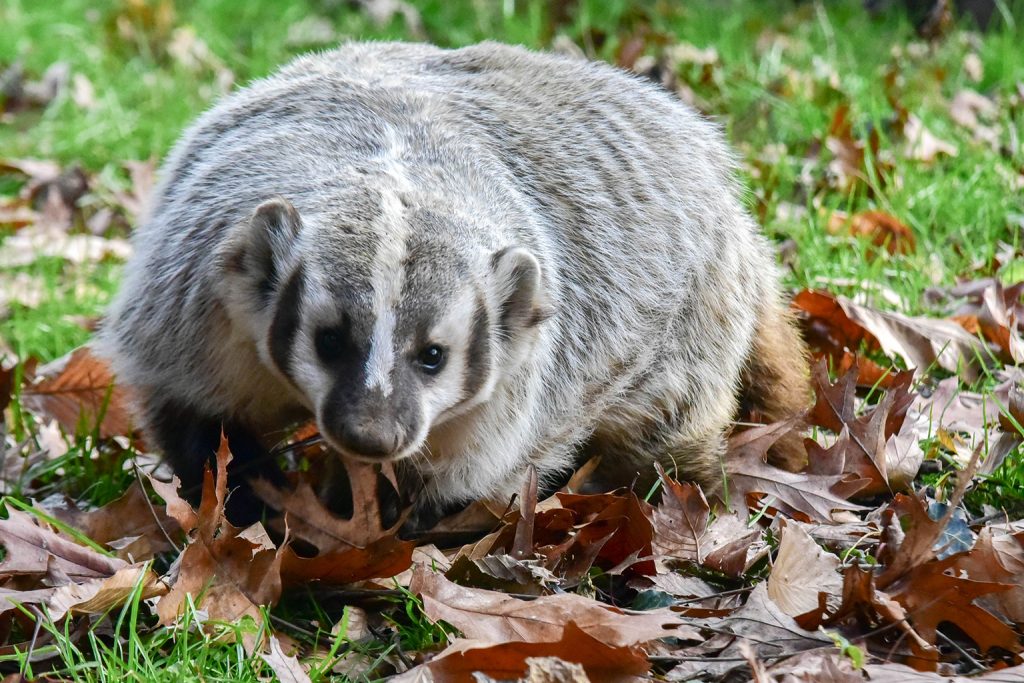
[(959, 208)]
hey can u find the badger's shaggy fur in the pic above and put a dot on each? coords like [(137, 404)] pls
[(567, 241)]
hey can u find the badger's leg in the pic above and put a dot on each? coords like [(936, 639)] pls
[(629, 451), (188, 440)]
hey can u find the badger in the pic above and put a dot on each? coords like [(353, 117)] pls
[(467, 262)]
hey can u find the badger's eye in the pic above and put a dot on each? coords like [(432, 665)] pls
[(431, 359), (330, 343)]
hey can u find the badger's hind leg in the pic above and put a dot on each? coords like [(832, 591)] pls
[(689, 441), (775, 383), (629, 445), (188, 440)]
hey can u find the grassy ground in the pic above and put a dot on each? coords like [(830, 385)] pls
[(782, 71)]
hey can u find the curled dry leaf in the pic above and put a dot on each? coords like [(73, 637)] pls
[(78, 390), (804, 577), (919, 341), (135, 200), (867, 447), (731, 546), (138, 528), (25, 247), (934, 592), (20, 93), (815, 666), (88, 582), (96, 596), (968, 108), (34, 549), (573, 532), (613, 531), (847, 169), (998, 556), (862, 599), (88, 596), (893, 672), (947, 406), (285, 667), (382, 12), (504, 573), (998, 315)]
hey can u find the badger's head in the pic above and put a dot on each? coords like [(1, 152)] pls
[(385, 324)]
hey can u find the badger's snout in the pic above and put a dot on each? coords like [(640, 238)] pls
[(368, 438), (370, 426)]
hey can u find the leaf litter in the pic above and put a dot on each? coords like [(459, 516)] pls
[(608, 582)]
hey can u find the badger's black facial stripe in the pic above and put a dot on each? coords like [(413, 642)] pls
[(286, 322), (478, 352)]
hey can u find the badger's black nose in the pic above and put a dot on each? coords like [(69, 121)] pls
[(369, 439)]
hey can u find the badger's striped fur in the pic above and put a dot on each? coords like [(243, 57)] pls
[(566, 242)]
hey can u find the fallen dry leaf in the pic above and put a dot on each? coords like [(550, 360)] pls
[(922, 144), (20, 93), (494, 617), (814, 666), (931, 594), (920, 342), (804, 577), (847, 168), (77, 390), (680, 520), (464, 660), (893, 672), (83, 94), (812, 495), (134, 526), (968, 108), (26, 247), (348, 550), (503, 573), (573, 532), (761, 624), (34, 549), (229, 572), (96, 596), (909, 535), (285, 667), (883, 229), (731, 546), (866, 447), (998, 556)]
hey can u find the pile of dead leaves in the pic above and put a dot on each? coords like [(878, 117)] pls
[(850, 570)]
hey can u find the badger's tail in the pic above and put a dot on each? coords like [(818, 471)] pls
[(776, 380)]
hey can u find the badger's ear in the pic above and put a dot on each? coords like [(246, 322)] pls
[(522, 298), (257, 250)]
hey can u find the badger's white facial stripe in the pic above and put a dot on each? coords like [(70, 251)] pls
[(381, 360), (387, 280)]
